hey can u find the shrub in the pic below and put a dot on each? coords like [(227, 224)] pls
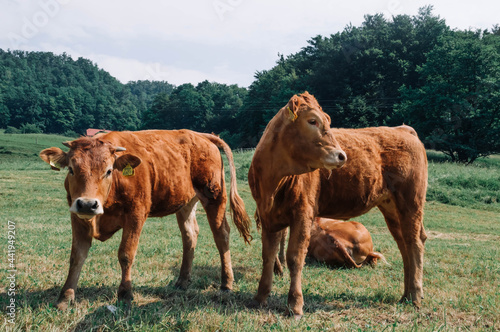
[(12, 130), (30, 128), (71, 133)]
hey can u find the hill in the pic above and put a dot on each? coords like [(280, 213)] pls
[(44, 92)]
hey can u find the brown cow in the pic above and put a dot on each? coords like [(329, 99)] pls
[(337, 244), (161, 172), (384, 167)]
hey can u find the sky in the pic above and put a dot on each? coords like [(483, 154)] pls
[(189, 41)]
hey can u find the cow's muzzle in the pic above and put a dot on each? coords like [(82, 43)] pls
[(86, 208), (335, 159)]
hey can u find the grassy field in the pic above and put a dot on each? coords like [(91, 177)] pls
[(461, 271)]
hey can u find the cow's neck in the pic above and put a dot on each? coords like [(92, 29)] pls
[(271, 165)]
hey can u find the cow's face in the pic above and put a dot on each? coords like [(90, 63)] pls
[(91, 164), (309, 139)]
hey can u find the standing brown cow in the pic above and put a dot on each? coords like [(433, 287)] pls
[(161, 172), (293, 180)]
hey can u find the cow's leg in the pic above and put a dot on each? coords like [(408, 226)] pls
[(280, 260), (392, 219), (281, 253), (186, 218), (300, 233), (270, 243), (406, 226), (79, 249), (414, 238), (216, 215), (126, 256)]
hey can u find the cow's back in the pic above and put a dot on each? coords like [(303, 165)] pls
[(379, 160), (173, 162)]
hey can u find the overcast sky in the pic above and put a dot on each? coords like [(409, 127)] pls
[(183, 41)]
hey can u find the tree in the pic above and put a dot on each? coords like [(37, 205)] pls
[(355, 74), (4, 112), (208, 107), (457, 110), (267, 94), (58, 94), (144, 92)]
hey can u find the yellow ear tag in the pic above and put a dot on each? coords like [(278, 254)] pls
[(55, 165), (128, 171), (292, 115)]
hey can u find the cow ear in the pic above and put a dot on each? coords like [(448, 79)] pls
[(292, 108), (125, 160), (55, 157)]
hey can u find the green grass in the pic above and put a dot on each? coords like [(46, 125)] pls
[(20, 151), (476, 186), (461, 271)]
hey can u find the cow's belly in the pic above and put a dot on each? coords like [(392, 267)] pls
[(344, 210), (350, 204), (170, 203), (346, 194)]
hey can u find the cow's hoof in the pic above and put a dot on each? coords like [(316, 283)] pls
[(225, 289), (65, 299), (182, 284), (125, 296), (254, 304), (292, 314), (278, 270), (63, 305), (408, 300)]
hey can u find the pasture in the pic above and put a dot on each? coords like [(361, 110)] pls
[(461, 271)]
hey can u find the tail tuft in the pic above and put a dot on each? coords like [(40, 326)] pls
[(372, 258)]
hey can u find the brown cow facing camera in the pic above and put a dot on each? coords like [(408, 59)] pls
[(117, 180), (302, 169), (337, 243)]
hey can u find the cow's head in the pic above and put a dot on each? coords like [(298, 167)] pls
[(307, 137), (92, 163)]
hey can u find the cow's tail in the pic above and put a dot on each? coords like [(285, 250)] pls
[(236, 204), (372, 258)]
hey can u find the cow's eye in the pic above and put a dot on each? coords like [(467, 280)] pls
[(108, 173), (70, 171), (313, 122)]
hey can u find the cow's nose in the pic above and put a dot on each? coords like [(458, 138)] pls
[(87, 206), (335, 159), (342, 157)]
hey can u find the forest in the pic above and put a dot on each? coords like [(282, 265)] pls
[(407, 69)]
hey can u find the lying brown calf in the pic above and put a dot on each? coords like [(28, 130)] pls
[(338, 243)]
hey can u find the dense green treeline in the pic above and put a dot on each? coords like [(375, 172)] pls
[(56, 94), (208, 107), (411, 69), (43, 92), (355, 74), (457, 105)]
